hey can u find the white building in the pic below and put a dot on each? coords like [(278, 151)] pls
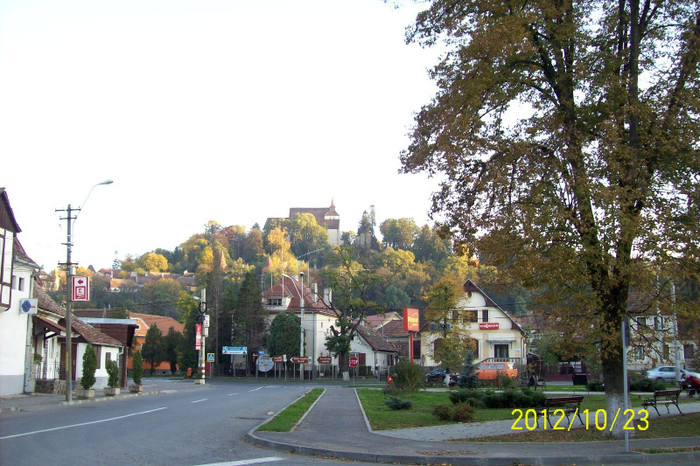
[(318, 318), (494, 332), (16, 272)]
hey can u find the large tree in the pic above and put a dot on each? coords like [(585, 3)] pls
[(566, 133), (250, 317), (152, 349)]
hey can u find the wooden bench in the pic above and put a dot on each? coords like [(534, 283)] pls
[(567, 405), (663, 397)]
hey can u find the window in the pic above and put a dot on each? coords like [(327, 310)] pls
[(484, 315), (470, 316), (658, 323), (274, 302), (639, 352), (20, 285), (641, 322), (688, 351)]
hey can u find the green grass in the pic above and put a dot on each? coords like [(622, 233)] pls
[(687, 425), (287, 419)]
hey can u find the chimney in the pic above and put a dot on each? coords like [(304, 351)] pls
[(314, 292), (327, 296)]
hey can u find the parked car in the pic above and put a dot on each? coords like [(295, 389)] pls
[(668, 373), (435, 375), (491, 370)]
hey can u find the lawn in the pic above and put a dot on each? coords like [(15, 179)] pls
[(287, 419), (687, 425)]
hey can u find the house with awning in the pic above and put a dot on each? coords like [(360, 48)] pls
[(49, 347)]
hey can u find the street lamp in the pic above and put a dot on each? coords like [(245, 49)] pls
[(69, 266)]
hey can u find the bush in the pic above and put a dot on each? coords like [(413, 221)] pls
[(472, 396), (397, 403), (89, 367), (514, 399), (596, 386), (113, 374), (646, 385), (443, 412), (460, 412), (463, 412), (506, 383), (408, 377), (137, 365)]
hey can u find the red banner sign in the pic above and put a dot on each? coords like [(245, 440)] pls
[(278, 358), (488, 325), (198, 337), (411, 321), (300, 359)]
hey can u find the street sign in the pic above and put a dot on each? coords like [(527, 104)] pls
[(300, 359), (279, 358), (234, 350), (324, 359), (29, 306), (206, 320), (354, 361), (80, 288), (210, 357), (265, 363)]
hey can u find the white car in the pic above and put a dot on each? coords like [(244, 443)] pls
[(668, 373)]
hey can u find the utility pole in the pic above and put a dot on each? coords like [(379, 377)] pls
[(203, 321), (69, 272), (69, 291)]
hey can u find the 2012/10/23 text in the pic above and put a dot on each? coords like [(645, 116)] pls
[(599, 419)]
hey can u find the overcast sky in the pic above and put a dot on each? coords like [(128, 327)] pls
[(232, 111)]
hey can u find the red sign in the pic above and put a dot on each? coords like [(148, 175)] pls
[(198, 337), (277, 358), (80, 288), (488, 325), (411, 320), (324, 359), (354, 361), (301, 359)]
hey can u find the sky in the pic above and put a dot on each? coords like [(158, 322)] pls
[(232, 111)]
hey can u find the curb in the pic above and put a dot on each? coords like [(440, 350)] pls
[(619, 458)]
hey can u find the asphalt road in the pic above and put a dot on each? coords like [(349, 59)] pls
[(187, 424)]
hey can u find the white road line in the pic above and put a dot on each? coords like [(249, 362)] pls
[(255, 389), (269, 459), (231, 394), (199, 401), (81, 424)]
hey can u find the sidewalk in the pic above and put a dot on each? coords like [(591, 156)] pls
[(336, 427)]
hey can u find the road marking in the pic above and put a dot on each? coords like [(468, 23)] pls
[(255, 389), (199, 401), (269, 459), (82, 424), (231, 394)]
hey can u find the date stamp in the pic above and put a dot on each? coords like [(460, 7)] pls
[(527, 420)]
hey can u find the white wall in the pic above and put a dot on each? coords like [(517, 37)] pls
[(13, 336)]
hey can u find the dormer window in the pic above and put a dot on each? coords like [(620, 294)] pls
[(274, 302)]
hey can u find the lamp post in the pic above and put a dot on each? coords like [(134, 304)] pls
[(71, 215)]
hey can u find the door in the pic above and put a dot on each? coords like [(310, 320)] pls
[(74, 350), (500, 351)]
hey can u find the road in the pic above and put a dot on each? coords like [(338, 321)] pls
[(187, 424)]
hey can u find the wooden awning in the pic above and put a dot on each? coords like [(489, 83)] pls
[(47, 324)]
